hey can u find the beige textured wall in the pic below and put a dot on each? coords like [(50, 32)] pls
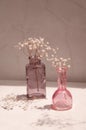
[(61, 22)]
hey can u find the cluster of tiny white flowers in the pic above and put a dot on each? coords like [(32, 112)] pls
[(36, 47), (60, 62), (40, 48)]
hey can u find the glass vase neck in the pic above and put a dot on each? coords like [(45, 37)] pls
[(34, 60), (62, 77)]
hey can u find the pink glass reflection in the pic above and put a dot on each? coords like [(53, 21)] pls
[(62, 98)]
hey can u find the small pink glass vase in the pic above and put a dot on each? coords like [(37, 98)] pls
[(62, 98)]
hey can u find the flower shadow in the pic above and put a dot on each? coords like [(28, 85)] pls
[(57, 122), (11, 101)]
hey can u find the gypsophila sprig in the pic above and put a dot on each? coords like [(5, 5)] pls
[(60, 62), (37, 47)]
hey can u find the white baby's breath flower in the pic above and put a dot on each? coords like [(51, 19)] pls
[(37, 47)]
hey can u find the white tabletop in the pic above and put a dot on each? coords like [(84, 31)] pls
[(37, 114)]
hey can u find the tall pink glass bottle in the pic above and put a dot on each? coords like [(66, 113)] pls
[(62, 98), (36, 78)]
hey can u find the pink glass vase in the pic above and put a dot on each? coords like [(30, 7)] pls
[(62, 98), (36, 78)]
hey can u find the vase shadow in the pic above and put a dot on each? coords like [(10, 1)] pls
[(22, 97), (45, 107)]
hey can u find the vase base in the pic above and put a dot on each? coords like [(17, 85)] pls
[(60, 109), (35, 96)]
